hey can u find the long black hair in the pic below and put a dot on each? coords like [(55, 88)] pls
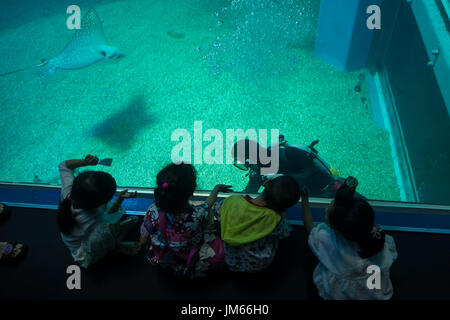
[(176, 183), (281, 193), (90, 190), (353, 217)]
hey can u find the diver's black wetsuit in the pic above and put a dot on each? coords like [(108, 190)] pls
[(300, 165)]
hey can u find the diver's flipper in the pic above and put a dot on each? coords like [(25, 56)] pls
[(312, 144)]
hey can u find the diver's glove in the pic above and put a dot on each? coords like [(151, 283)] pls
[(254, 183), (351, 182)]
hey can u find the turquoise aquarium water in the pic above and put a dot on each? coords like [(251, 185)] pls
[(166, 65)]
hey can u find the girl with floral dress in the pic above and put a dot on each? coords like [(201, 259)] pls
[(178, 236)]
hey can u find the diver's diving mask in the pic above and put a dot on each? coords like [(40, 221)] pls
[(244, 166)]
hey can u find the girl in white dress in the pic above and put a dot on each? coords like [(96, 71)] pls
[(350, 249)]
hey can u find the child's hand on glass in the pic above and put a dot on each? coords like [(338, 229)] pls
[(223, 188), (213, 195), (126, 195), (118, 202)]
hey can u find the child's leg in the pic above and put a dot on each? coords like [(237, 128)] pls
[(121, 228), (97, 245)]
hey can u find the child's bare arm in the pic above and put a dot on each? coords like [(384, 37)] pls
[(89, 160), (306, 211), (144, 232), (218, 188), (213, 197), (66, 172), (118, 202)]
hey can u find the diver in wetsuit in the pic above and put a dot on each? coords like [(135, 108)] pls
[(300, 162)]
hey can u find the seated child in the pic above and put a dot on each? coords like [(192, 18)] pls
[(251, 228), (178, 236), (10, 251), (87, 218), (346, 245)]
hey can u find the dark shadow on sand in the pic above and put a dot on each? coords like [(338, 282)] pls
[(120, 130)]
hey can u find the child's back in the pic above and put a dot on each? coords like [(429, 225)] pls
[(76, 223), (87, 218), (252, 228), (342, 274), (177, 235), (171, 237), (350, 249)]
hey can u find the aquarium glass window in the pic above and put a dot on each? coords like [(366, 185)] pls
[(147, 82)]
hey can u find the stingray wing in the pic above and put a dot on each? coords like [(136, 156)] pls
[(91, 33), (83, 49)]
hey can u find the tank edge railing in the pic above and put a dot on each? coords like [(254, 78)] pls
[(382, 205)]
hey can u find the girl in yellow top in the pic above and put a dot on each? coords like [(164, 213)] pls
[(251, 228)]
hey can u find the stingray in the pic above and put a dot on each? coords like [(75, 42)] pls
[(87, 46)]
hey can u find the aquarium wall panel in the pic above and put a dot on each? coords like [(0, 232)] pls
[(434, 24), (421, 109), (343, 38)]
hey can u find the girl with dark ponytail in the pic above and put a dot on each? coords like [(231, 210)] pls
[(87, 218), (347, 244)]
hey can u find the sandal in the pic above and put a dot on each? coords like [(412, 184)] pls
[(5, 213), (7, 254)]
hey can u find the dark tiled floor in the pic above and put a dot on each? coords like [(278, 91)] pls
[(422, 270)]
